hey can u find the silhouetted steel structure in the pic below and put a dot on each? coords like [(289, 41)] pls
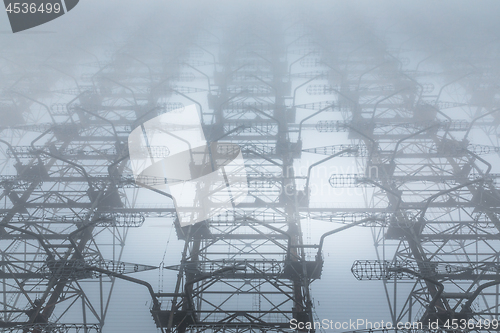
[(429, 193), (68, 196), (247, 270), (433, 200)]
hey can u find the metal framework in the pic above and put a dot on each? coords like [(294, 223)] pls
[(430, 193), (431, 188)]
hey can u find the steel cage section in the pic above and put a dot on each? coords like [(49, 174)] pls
[(434, 222), (69, 207), (246, 270)]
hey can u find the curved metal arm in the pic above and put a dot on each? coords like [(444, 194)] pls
[(431, 198), (348, 150), (67, 105), (309, 117), (12, 150), (441, 90), (213, 56), (122, 85), (440, 286), (427, 58), (383, 99), (482, 160), (156, 303), (303, 84), (190, 150), (348, 226), (34, 100), (76, 166), (368, 71), (192, 100), (447, 117), (102, 118), (408, 137), (205, 75), (296, 39), (476, 293), (476, 119), (296, 61), (79, 167), (39, 137)]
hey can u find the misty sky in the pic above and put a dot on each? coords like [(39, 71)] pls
[(96, 29)]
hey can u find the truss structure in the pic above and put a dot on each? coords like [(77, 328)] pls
[(429, 191)]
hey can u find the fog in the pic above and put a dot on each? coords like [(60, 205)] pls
[(409, 85)]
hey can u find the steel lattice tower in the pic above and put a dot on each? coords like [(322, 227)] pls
[(68, 196), (433, 199), (247, 270), (263, 81)]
